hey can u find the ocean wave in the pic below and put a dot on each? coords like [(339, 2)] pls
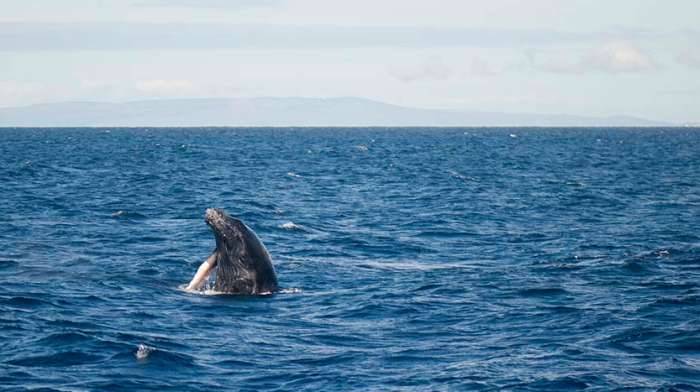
[(290, 226), (430, 260)]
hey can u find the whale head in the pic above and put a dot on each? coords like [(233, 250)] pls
[(243, 264), (224, 227)]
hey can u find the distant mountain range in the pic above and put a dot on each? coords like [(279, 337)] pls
[(279, 112)]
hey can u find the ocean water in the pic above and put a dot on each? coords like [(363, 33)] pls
[(410, 259)]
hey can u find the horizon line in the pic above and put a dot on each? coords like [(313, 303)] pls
[(108, 127)]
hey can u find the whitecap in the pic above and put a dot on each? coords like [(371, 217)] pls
[(208, 290), (457, 174), (409, 265), (212, 292), (143, 351), (289, 226), (292, 174), (291, 290)]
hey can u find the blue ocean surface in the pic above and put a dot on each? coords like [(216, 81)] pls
[(409, 259)]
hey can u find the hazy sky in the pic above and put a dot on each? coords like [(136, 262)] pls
[(588, 57)]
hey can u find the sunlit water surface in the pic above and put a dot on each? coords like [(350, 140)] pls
[(410, 259)]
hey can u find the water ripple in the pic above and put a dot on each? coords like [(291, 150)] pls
[(410, 259)]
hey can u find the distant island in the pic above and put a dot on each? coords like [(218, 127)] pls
[(279, 111)]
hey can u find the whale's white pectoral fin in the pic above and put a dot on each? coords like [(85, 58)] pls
[(202, 273)]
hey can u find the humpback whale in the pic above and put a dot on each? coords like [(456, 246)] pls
[(243, 265)]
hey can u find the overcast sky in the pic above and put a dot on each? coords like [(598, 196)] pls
[(598, 58)]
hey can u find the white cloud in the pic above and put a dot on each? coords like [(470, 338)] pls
[(28, 36), (613, 57), (619, 57), (436, 69)]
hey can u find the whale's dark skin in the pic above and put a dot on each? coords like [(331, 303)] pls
[(243, 265)]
